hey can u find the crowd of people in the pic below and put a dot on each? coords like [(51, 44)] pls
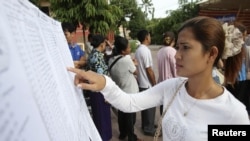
[(189, 91)]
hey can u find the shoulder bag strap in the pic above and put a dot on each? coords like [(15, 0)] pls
[(158, 130), (114, 62)]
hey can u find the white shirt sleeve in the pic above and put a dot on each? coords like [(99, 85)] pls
[(148, 62), (132, 102), (131, 65)]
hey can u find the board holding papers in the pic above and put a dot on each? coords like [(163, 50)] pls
[(38, 101)]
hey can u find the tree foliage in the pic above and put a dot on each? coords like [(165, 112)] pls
[(128, 7), (137, 22), (98, 15), (148, 7), (174, 21), (181, 2), (35, 2)]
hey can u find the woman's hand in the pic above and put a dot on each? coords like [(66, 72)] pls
[(76, 64), (135, 62), (88, 80)]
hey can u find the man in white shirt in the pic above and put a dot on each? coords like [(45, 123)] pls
[(146, 78)]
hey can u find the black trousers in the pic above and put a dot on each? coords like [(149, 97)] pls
[(148, 118), (126, 122)]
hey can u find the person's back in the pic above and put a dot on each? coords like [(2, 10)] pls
[(143, 56), (99, 107), (146, 79), (121, 67), (165, 58), (96, 61), (122, 73), (122, 70)]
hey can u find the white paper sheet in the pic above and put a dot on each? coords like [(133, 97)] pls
[(20, 119), (39, 96)]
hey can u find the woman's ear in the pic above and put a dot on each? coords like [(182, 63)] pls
[(213, 53), (103, 46), (123, 52)]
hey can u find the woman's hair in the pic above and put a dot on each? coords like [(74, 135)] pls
[(168, 38), (247, 41), (90, 36), (120, 44), (97, 40), (209, 32), (240, 26), (237, 59)]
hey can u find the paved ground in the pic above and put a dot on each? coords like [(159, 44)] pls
[(138, 130)]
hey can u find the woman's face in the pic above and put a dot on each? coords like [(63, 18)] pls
[(190, 57), (103, 46), (69, 36), (127, 50)]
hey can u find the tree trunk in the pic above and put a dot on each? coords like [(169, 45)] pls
[(83, 33), (124, 32)]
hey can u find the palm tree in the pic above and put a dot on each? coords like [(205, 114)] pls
[(147, 5)]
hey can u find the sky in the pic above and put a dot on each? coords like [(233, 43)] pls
[(161, 6)]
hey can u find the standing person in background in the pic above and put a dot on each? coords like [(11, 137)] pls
[(88, 49), (240, 88), (195, 100), (77, 53), (100, 108), (88, 46), (247, 43), (166, 60), (122, 70), (247, 96), (243, 71), (108, 51), (217, 72), (146, 79)]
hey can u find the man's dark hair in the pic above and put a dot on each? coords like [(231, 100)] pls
[(69, 27), (142, 34), (97, 40), (121, 44)]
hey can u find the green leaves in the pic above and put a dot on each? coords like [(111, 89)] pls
[(174, 20), (90, 10), (137, 23), (96, 14)]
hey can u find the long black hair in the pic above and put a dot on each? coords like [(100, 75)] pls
[(120, 45)]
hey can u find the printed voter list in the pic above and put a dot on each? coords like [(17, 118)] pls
[(38, 101)]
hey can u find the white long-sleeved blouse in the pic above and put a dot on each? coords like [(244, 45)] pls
[(187, 118)]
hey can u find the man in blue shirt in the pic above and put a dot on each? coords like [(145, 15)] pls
[(77, 53)]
